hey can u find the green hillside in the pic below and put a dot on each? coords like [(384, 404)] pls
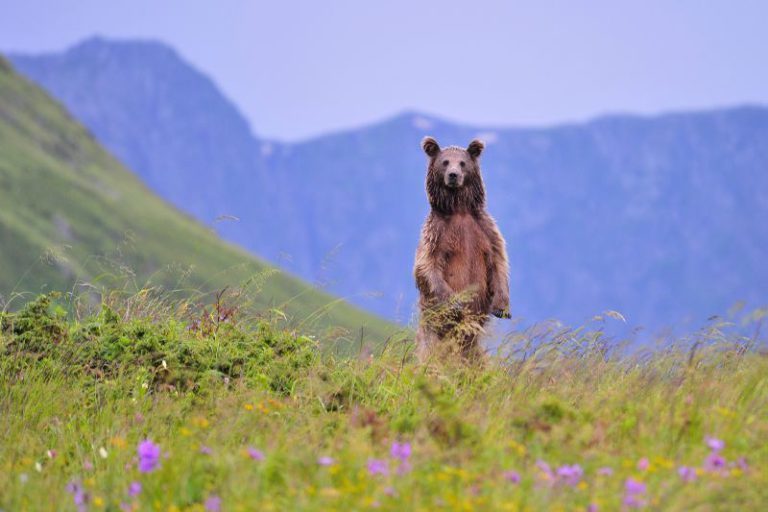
[(70, 213)]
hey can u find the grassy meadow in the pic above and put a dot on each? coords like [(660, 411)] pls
[(142, 403)]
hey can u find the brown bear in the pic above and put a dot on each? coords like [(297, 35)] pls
[(461, 267)]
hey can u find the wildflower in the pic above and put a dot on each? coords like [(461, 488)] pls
[(134, 489), (255, 454), (404, 467), (634, 493), (400, 451), (87, 465), (741, 463), (512, 477), (149, 456), (714, 462), (592, 507), (605, 471), (378, 467), (643, 464), (51, 454), (206, 450), (570, 475), (545, 470), (213, 503), (103, 453), (98, 501), (714, 444), (38, 467), (390, 491), (325, 461), (23, 478), (79, 496), (687, 474)]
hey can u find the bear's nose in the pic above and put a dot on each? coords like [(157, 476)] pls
[(453, 176)]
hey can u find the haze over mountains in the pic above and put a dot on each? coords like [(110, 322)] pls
[(661, 218), (73, 219)]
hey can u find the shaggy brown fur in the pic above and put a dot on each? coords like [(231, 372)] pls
[(461, 268)]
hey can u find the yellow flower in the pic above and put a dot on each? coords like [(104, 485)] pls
[(248, 407), (581, 485), (118, 442), (330, 492), (98, 501), (517, 448), (200, 421)]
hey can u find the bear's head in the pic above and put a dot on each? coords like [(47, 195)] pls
[(454, 183)]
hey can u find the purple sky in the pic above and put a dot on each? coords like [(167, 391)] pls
[(302, 68)]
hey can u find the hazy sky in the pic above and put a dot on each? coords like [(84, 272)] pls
[(301, 68)]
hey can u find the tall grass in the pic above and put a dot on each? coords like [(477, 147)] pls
[(249, 411)]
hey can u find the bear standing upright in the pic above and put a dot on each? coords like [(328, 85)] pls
[(461, 267)]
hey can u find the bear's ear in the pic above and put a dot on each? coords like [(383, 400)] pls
[(430, 146), (475, 148)]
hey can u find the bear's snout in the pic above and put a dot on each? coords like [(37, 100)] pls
[(454, 178)]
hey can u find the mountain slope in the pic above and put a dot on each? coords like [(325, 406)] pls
[(660, 218), (59, 188)]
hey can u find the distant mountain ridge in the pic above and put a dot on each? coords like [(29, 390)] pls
[(661, 218), (72, 217)]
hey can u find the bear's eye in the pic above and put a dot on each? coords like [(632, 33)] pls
[(462, 163), (445, 163)]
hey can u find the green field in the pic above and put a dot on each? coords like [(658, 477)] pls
[(248, 416), (72, 218)]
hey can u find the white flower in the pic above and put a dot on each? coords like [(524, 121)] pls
[(38, 467), (165, 365), (103, 453), (23, 478)]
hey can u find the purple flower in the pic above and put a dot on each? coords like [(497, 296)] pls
[(545, 469), (741, 463), (149, 456), (634, 492), (714, 462), (714, 444), (592, 507), (206, 450), (570, 475), (404, 467), (605, 471), (213, 503), (634, 487), (87, 465), (378, 467), (255, 454), (401, 451), (643, 464), (79, 495), (512, 477), (325, 461), (687, 474), (134, 489), (632, 501), (390, 491)]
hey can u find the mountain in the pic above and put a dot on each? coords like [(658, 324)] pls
[(661, 218), (71, 212)]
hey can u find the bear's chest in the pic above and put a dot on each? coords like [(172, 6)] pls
[(465, 249)]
